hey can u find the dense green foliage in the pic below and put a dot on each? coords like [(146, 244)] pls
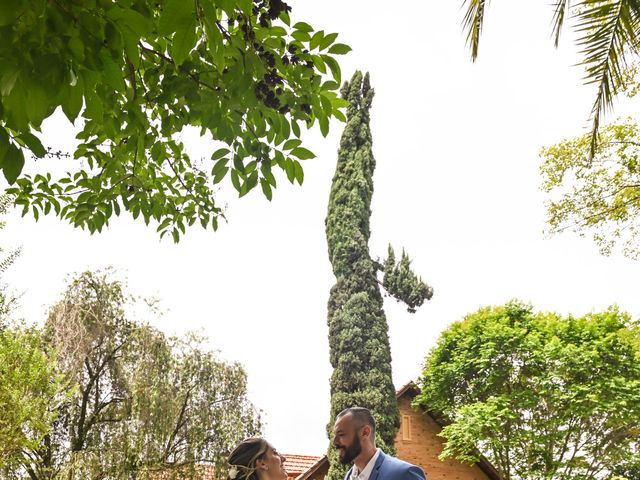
[(599, 195), (628, 470), (540, 395), (358, 331), (134, 74), (30, 390), (141, 403), (607, 35), (402, 283)]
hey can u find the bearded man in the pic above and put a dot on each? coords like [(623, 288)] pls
[(354, 436)]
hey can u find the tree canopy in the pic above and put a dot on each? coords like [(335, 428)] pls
[(30, 392), (540, 395), (133, 75), (141, 402), (30, 387), (599, 195)]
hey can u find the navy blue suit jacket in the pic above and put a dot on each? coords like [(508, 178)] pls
[(391, 468)]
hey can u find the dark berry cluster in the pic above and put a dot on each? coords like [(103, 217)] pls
[(268, 57), (247, 31), (268, 10), (292, 56), (268, 89)]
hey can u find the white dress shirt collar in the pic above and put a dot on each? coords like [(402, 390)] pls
[(366, 471)]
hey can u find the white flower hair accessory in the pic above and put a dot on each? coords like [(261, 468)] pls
[(238, 472)]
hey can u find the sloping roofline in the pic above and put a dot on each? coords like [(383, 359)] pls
[(313, 469)]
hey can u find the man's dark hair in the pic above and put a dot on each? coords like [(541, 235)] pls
[(362, 416)]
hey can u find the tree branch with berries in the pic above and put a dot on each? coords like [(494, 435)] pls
[(133, 78)]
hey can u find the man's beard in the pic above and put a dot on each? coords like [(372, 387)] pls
[(350, 452)]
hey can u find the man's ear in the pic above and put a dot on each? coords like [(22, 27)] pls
[(366, 431)]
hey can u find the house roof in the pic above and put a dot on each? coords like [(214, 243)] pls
[(305, 474), (412, 390), (299, 464), (408, 388)]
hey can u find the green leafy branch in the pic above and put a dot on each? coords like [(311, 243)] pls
[(137, 75)]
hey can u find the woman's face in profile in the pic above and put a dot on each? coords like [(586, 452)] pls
[(272, 466)]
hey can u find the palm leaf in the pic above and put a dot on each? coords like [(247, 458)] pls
[(559, 15), (608, 30), (472, 23)]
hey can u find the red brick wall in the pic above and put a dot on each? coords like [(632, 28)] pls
[(417, 442)]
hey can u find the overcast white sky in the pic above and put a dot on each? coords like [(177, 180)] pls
[(457, 185)]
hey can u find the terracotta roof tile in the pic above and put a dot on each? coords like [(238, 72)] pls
[(298, 464)]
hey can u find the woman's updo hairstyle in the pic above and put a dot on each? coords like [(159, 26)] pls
[(242, 461)]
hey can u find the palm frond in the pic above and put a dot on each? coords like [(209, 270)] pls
[(472, 23), (608, 31), (559, 14)]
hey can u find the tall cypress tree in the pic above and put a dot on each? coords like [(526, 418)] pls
[(358, 331)]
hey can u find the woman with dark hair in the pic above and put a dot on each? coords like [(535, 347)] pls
[(256, 459)]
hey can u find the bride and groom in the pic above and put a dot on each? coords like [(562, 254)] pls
[(354, 435)]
